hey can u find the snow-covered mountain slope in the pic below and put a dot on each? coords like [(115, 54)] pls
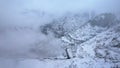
[(65, 24), (102, 47), (89, 46)]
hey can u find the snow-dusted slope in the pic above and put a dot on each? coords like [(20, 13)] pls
[(101, 50), (87, 47)]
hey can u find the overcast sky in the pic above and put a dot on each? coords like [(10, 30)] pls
[(61, 5), (11, 10)]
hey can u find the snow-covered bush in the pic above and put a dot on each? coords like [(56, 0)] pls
[(55, 28)]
